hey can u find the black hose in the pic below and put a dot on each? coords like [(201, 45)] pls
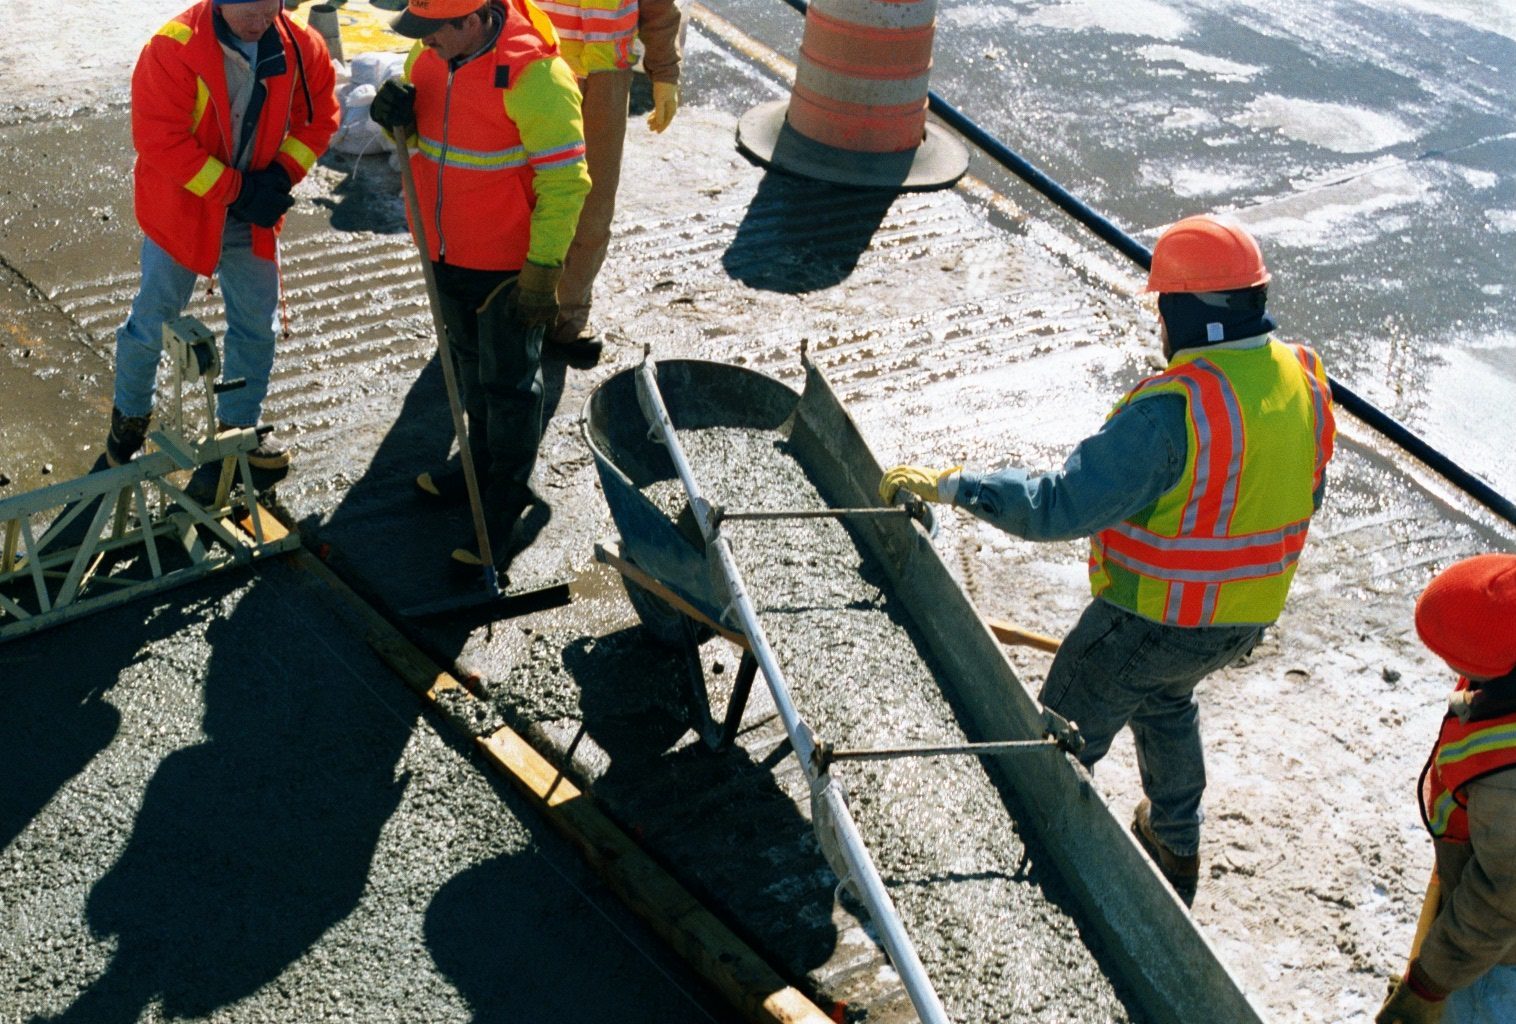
[(1140, 254)]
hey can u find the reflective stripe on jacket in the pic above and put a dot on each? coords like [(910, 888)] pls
[(1220, 547), (1465, 752), (595, 35), (499, 149), (181, 128)]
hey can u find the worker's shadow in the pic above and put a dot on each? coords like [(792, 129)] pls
[(721, 819), (394, 545), (253, 843), (54, 713), (553, 918), (368, 198), (800, 236)]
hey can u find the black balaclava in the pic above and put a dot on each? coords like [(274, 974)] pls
[(1198, 319)]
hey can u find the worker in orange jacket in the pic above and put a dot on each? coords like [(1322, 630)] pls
[(598, 39), (498, 158), (232, 104), (1464, 971)]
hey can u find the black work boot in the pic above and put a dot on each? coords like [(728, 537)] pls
[(573, 344), (126, 436), (503, 507), (444, 486), (1183, 873), (270, 453)]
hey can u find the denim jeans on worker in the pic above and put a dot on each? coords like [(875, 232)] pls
[(250, 289), (1116, 668), (1490, 1000)]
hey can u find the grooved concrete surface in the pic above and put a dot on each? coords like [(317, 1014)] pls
[(956, 331)]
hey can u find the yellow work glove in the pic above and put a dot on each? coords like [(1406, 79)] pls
[(537, 294), (920, 481), (1408, 1006), (665, 105)]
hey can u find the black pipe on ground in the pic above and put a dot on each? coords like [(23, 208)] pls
[(1141, 255)]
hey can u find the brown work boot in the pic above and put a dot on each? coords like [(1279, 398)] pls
[(269, 454), (573, 343), (1183, 873), (126, 436)]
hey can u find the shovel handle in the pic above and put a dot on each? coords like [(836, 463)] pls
[(444, 354)]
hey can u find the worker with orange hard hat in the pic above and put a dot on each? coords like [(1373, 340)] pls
[(1464, 971), (1196, 495)]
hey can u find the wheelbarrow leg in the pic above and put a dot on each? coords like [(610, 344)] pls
[(699, 698), (737, 703)]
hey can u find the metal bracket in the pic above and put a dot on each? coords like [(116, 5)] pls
[(112, 512)]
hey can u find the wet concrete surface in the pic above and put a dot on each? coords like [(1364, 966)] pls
[(987, 917), (955, 329), (222, 806)]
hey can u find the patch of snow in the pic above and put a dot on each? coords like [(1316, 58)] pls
[(1339, 127), (1217, 67), (1131, 18)]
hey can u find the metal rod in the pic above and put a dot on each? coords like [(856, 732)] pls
[(854, 853), (981, 749), (816, 513)]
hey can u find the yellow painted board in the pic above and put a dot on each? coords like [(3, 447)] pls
[(364, 27), (694, 933)]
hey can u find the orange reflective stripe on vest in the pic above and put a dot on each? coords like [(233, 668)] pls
[(595, 35), (1208, 553), (1465, 752)]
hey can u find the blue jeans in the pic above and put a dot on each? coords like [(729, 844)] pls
[(250, 288), (1490, 1000), (1116, 668)]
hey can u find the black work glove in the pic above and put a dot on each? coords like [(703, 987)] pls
[(260, 201), (394, 106), (272, 176), (536, 295)]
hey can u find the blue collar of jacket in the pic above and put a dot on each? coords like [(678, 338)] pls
[(270, 59)]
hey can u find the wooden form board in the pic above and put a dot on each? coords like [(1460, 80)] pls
[(710, 948)]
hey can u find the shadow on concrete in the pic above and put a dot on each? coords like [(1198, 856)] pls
[(54, 716), (800, 236), (393, 545), (511, 935), (250, 845), (720, 819)]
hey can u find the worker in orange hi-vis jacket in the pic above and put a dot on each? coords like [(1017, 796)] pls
[(232, 105), (497, 151), (1464, 969)]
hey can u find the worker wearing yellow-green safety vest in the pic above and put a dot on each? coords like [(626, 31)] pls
[(1464, 970), (1197, 494), (598, 39)]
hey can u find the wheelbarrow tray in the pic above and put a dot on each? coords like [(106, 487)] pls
[(1148, 936)]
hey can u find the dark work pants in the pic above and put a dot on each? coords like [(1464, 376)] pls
[(1116, 668), (499, 365)]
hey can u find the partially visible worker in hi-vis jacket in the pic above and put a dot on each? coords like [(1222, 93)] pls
[(1464, 971), (493, 115), (232, 104), (598, 39), (1196, 495)]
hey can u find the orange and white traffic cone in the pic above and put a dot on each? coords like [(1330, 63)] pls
[(857, 112)]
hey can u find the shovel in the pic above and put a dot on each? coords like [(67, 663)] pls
[(492, 590)]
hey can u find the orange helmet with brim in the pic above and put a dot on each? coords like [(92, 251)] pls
[(1206, 253)]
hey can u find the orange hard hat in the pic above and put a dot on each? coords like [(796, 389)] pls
[(1467, 616), (1205, 253)]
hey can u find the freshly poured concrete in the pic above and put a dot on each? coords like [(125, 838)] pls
[(955, 326)]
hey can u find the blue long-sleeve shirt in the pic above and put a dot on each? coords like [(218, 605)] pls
[(1136, 456)]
